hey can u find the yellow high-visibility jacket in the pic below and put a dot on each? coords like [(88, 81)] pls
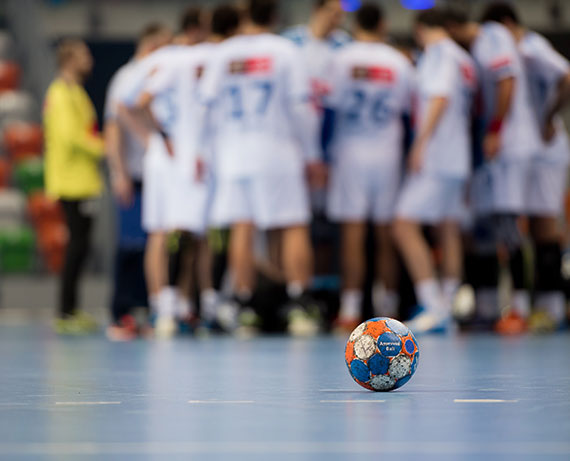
[(73, 147)]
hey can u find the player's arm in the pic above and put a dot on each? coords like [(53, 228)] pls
[(435, 110), (113, 138), (560, 101), (504, 91)]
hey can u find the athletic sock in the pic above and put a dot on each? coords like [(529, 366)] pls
[(350, 305), (166, 302), (553, 303), (295, 290), (449, 288), (520, 302), (153, 303), (184, 307), (385, 302), (429, 296), (208, 304)]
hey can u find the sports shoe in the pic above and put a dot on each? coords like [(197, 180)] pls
[(511, 323), (249, 323), (425, 322), (78, 324), (541, 321), (126, 329), (301, 323), (227, 316), (165, 327)]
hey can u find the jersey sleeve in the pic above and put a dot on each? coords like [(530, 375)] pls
[(443, 74), (161, 80), (209, 86), (299, 81), (544, 60), (499, 54)]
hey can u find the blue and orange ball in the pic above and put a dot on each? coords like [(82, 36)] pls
[(382, 354)]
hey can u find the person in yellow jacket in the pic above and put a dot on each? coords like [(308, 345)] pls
[(73, 150)]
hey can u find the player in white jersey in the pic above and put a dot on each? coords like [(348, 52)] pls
[(178, 79), (439, 166), (265, 135), (371, 92), (549, 77), (125, 155), (511, 142)]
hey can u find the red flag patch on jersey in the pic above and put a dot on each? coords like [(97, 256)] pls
[(500, 63), (468, 74), (373, 73), (260, 65)]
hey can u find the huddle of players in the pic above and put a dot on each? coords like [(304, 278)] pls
[(232, 130)]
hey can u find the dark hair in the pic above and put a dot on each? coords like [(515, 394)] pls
[(225, 20), (499, 11), (455, 16), (431, 18), (151, 30), (191, 19), (321, 3), (262, 12), (369, 16), (66, 49)]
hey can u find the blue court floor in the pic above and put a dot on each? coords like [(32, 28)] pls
[(272, 398)]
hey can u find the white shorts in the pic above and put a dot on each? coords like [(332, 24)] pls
[(157, 179), (171, 200), (430, 199), (510, 184), (357, 194), (547, 189), (273, 201)]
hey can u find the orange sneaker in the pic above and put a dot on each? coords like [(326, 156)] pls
[(512, 323), (124, 330)]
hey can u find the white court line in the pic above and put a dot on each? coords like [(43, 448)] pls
[(225, 402), (353, 401), (338, 390), (87, 403), (484, 401)]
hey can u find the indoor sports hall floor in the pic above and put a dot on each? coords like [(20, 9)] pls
[(271, 398)]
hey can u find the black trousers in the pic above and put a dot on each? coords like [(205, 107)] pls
[(79, 220)]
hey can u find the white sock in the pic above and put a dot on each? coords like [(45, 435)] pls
[(552, 302), (184, 307), (295, 289), (487, 303), (449, 288), (166, 302), (430, 296), (350, 304), (208, 304), (520, 302), (153, 303), (385, 302)]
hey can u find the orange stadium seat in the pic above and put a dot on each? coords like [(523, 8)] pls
[(52, 240), (5, 172), (10, 74), (44, 210), (23, 140)]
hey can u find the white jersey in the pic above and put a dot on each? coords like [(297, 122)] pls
[(545, 67), (131, 146), (371, 90), (446, 70), (317, 55), (163, 107), (178, 79), (254, 84), (497, 57)]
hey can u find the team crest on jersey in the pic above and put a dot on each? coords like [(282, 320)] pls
[(373, 73), (259, 65)]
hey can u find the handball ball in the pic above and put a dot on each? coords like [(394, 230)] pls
[(382, 354)]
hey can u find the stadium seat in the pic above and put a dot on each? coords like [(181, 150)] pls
[(52, 240), (10, 75), (16, 106), (43, 209), (23, 140), (17, 249), (29, 175), (12, 209), (5, 172)]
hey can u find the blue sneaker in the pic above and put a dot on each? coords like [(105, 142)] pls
[(425, 322)]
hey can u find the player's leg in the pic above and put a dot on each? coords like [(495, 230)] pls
[(184, 305), (79, 223), (385, 297), (205, 270), (353, 234), (450, 241), (241, 260), (546, 203)]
